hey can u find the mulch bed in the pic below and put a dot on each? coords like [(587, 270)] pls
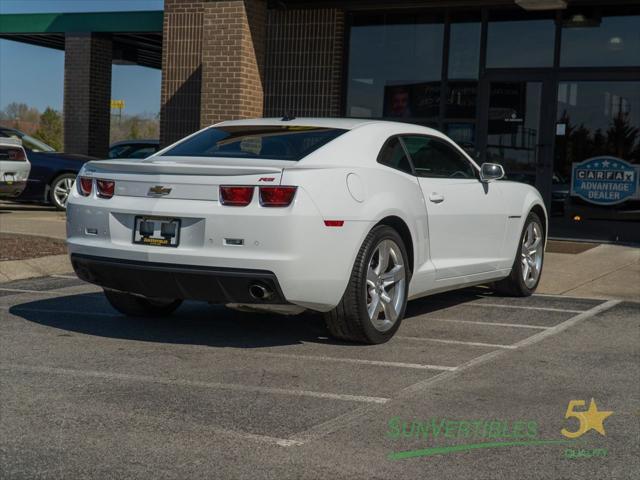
[(20, 247)]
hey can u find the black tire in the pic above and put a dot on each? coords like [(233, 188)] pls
[(136, 306), (349, 320), (66, 179), (514, 285)]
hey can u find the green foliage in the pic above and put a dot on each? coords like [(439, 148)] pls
[(50, 129)]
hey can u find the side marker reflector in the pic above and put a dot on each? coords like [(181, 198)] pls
[(333, 223)]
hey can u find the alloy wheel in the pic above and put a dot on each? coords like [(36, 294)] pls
[(62, 190), (531, 254), (385, 286)]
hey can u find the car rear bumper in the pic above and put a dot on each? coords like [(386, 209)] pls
[(11, 189), (162, 280)]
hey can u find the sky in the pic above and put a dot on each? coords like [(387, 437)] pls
[(35, 75)]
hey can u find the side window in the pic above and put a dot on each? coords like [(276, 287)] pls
[(435, 158), (393, 155)]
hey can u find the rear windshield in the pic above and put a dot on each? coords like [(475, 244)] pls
[(268, 142)]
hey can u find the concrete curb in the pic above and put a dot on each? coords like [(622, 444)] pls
[(34, 267)]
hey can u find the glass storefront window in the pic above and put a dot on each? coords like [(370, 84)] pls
[(514, 128), (461, 100), (461, 96), (596, 192), (520, 43), (464, 51), (395, 66), (606, 42)]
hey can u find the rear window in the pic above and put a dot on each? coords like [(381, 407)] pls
[(268, 142)]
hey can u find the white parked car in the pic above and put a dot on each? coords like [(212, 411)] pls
[(347, 217), (14, 167)]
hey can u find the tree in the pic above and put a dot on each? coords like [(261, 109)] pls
[(21, 112), (134, 130), (50, 129)]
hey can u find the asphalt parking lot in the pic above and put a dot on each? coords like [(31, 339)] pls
[(215, 393)]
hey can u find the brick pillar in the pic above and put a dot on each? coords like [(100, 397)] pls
[(232, 60), (87, 93), (305, 77), (181, 69)]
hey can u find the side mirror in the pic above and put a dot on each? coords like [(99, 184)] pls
[(491, 171)]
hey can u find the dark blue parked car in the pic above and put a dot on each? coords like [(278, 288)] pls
[(52, 173)]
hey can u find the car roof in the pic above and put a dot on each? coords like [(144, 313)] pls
[(342, 123)]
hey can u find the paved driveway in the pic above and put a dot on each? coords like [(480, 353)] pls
[(213, 393)]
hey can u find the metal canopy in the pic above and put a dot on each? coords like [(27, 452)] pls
[(137, 36)]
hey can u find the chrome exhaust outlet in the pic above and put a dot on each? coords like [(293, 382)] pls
[(260, 292)]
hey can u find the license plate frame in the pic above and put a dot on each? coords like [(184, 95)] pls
[(157, 238)]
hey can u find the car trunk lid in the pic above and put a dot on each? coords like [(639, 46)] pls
[(190, 178)]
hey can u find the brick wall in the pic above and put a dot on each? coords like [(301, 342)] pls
[(303, 65), (181, 69), (87, 93), (232, 60)]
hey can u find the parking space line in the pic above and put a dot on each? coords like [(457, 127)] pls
[(283, 442), (525, 307), (22, 290), (379, 363), (343, 421), (64, 312), (475, 322), (191, 383), (458, 342)]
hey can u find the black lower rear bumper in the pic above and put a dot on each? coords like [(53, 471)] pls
[(188, 282)]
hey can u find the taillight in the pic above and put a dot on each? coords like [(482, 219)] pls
[(85, 185), (16, 155), (105, 188), (276, 196), (236, 196)]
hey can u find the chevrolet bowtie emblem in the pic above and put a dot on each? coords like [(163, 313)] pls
[(159, 190)]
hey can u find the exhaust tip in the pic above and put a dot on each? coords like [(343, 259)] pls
[(260, 292)]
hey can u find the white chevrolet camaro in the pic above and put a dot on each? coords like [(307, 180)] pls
[(347, 217)]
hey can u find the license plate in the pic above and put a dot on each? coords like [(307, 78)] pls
[(9, 178), (159, 232)]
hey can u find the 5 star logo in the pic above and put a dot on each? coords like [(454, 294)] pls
[(590, 419)]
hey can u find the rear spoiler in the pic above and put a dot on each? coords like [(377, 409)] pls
[(175, 168)]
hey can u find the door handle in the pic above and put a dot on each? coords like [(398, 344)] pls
[(436, 197)]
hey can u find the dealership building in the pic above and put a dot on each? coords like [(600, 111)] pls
[(550, 89)]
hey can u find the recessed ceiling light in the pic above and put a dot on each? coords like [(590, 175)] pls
[(542, 4)]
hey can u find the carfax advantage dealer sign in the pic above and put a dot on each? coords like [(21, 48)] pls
[(605, 180)]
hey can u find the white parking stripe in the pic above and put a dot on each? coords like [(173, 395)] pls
[(190, 383), (568, 323), (104, 314), (457, 342), (380, 363), (22, 290), (347, 419), (475, 322), (64, 312), (524, 307)]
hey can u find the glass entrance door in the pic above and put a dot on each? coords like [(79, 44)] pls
[(515, 127)]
